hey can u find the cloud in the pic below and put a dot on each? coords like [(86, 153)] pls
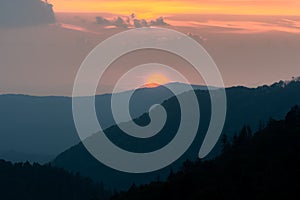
[(129, 22), (119, 22), (198, 38), (241, 24), (16, 13), (140, 23), (158, 22), (102, 21)]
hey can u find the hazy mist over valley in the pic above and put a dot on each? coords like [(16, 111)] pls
[(137, 100)]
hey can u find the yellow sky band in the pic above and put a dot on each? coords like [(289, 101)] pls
[(149, 9)]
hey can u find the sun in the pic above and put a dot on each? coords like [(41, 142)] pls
[(155, 80)]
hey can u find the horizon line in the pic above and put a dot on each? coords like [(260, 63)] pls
[(296, 79)]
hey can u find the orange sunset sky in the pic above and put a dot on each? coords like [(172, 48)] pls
[(253, 42), (148, 9)]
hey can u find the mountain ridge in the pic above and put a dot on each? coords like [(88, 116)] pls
[(252, 106), (53, 136)]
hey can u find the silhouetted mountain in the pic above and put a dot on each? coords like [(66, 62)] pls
[(260, 166), (44, 125), (35, 182), (36, 125), (245, 106)]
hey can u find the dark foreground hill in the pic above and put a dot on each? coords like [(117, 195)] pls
[(35, 182), (265, 165), (245, 106)]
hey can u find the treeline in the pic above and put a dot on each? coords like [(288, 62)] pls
[(25, 181), (261, 165)]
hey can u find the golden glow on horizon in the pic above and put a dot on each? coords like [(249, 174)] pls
[(155, 80), (149, 9)]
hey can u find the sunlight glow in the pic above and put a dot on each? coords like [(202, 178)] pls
[(155, 80)]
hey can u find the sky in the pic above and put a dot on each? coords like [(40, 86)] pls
[(252, 42), (153, 8)]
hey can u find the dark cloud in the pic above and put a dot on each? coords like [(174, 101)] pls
[(158, 22), (102, 21), (130, 21), (15, 13), (198, 38), (132, 15), (140, 23), (119, 22)]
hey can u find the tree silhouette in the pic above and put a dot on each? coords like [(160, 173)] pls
[(264, 165), (33, 182)]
